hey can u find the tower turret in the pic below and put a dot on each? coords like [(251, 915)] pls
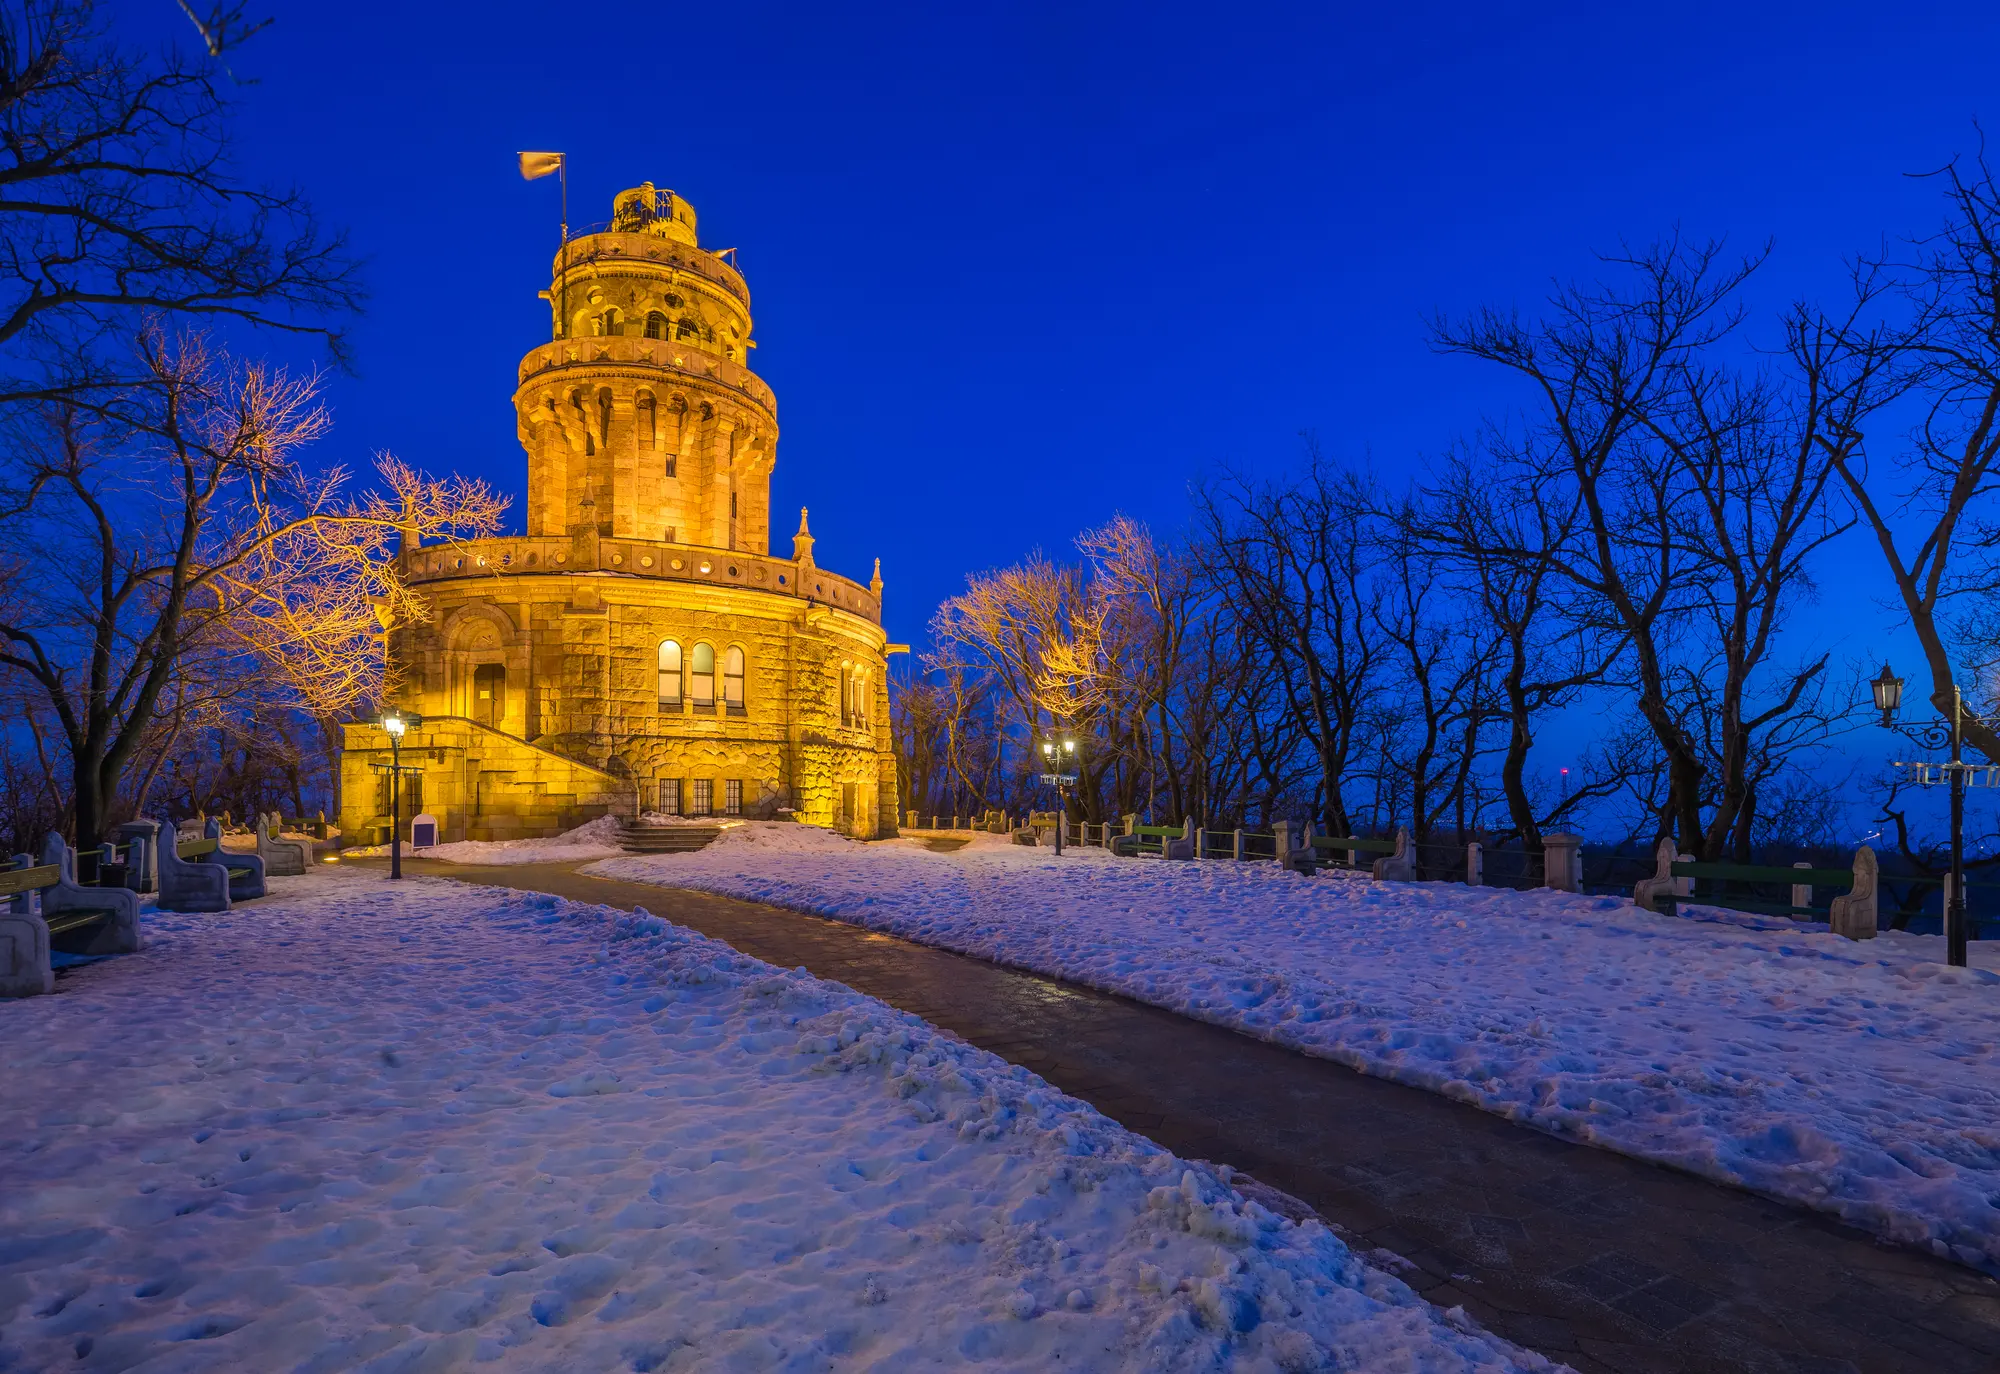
[(644, 399)]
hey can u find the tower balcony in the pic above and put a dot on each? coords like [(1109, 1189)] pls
[(664, 355), (645, 559)]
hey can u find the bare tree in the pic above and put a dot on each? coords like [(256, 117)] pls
[(1499, 534), (184, 522), (1299, 578), (117, 200), (1925, 509), (1702, 492)]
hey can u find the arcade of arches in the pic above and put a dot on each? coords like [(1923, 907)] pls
[(639, 647)]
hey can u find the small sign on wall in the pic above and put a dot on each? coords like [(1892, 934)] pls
[(424, 831)]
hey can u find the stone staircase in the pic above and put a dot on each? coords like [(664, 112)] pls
[(638, 837)]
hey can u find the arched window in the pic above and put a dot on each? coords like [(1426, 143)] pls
[(687, 329), (860, 696), (670, 673), (732, 680), (609, 322), (656, 325), (701, 677), (846, 694)]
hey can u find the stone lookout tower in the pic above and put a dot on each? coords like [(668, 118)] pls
[(639, 648)]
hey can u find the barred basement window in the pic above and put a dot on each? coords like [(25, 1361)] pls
[(670, 796), (704, 798), (732, 797)]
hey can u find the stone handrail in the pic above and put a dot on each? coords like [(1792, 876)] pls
[(622, 244), (646, 558), (667, 353)]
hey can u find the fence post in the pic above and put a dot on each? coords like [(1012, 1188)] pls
[(1561, 858), (1131, 821), (1802, 892), (1281, 839), (1201, 844), (1237, 852), (1475, 865)]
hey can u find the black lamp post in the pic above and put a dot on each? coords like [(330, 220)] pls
[(1058, 756), (1888, 690), (396, 723)]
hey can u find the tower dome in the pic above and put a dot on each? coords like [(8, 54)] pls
[(641, 416)]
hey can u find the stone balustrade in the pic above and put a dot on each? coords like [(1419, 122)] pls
[(645, 558), (662, 353)]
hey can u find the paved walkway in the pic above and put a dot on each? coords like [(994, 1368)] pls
[(1598, 1260)]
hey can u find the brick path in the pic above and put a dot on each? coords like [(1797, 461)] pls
[(1598, 1260)]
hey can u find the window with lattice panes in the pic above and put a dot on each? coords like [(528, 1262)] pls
[(732, 797), (704, 798)]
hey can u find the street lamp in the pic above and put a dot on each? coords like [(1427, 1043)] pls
[(396, 723), (1058, 757), (1888, 691)]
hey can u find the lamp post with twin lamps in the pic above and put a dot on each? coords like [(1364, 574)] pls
[(1941, 734), (1058, 756), (396, 723)]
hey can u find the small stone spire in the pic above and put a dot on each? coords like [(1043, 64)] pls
[(802, 543), (875, 582)]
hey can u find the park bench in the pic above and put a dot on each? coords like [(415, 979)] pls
[(73, 918), (1320, 851), (1166, 841), (282, 857), (200, 875), (1852, 913)]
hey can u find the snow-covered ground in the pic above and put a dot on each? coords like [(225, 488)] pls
[(425, 1126), (1862, 1079)]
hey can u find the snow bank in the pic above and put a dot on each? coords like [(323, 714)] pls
[(422, 1126), (1858, 1079)]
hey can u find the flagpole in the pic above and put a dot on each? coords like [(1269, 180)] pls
[(562, 174)]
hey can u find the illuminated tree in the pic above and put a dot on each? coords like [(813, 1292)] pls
[(169, 539)]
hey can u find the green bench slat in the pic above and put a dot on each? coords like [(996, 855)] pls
[(1749, 873), (1353, 842), (75, 917), (1745, 904), (14, 881)]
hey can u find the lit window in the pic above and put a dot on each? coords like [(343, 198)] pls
[(656, 326), (732, 679), (701, 686), (670, 673)]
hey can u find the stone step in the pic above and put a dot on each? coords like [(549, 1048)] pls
[(665, 839)]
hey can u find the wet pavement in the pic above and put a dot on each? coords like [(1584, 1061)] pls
[(1600, 1261)]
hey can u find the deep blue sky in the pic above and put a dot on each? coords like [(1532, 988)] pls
[(1018, 267)]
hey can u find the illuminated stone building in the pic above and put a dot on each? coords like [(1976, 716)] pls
[(639, 647)]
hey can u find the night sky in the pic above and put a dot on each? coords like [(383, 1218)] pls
[(1016, 268)]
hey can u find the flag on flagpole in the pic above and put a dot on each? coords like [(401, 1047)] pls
[(535, 166)]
